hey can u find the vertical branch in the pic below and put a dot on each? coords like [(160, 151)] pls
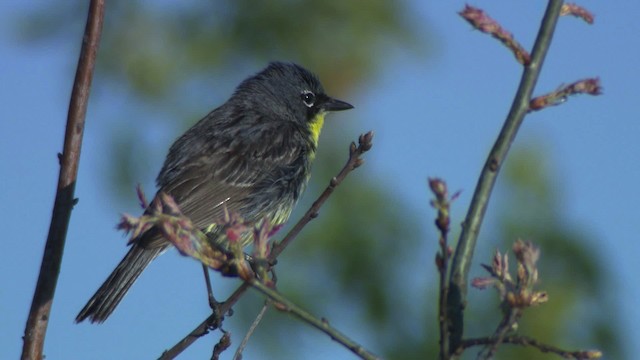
[(471, 226), (36, 326), (442, 204)]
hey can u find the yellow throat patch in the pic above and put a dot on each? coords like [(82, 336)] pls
[(315, 125)]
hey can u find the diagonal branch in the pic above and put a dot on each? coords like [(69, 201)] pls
[(471, 225), (364, 144), (284, 304), (36, 326), (213, 321), (527, 341), (210, 323)]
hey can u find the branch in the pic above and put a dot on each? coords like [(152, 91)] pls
[(36, 326), (282, 303), (210, 323), (527, 341), (471, 225), (442, 204), (507, 324), (364, 145), (213, 321), (222, 345), (252, 329)]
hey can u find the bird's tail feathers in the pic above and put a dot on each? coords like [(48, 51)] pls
[(109, 295)]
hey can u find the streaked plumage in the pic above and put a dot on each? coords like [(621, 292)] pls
[(253, 155)]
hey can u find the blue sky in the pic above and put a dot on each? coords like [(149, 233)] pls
[(452, 107)]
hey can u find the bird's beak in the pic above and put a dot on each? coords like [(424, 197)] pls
[(332, 104)]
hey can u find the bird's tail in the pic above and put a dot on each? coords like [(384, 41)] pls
[(108, 296)]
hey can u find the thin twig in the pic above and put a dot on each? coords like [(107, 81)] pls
[(527, 341), (252, 328), (222, 345), (38, 319), (506, 325), (284, 304), (207, 279), (210, 323), (364, 144), (471, 226), (442, 204)]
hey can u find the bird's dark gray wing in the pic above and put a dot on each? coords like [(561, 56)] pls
[(228, 170)]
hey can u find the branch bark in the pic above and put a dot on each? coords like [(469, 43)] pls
[(471, 225), (214, 320), (36, 326)]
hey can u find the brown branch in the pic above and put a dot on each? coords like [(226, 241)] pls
[(283, 304), (590, 86), (36, 326), (222, 345), (527, 341), (364, 145), (252, 329), (210, 323)]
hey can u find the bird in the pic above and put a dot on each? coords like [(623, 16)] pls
[(251, 156)]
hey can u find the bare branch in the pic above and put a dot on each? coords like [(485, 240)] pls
[(471, 226), (213, 321), (38, 319), (252, 328), (364, 144), (282, 303), (210, 323), (527, 341)]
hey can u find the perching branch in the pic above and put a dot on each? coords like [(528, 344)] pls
[(210, 323), (527, 341), (36, 326), (364, 145), (282, 303), (213, 321), (471, 225)]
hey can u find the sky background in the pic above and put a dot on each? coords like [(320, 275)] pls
[(437, 117)]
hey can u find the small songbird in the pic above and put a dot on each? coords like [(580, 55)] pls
[(252, 156)]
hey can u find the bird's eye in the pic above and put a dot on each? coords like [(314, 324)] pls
[(308, 98)]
